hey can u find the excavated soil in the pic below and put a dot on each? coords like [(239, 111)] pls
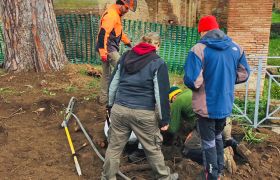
[(33, 144)]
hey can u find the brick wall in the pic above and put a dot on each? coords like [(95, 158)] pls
[(249, 25), (218, 8)]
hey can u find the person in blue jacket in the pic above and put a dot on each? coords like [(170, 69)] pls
[(213, 66)]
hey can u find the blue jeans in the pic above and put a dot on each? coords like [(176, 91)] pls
[(210, 131)]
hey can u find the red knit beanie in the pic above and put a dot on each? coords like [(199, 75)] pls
[(207, 23)]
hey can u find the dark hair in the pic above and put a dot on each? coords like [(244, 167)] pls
[(119, 2)]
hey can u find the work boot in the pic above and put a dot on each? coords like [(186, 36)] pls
[(230, 164), (243, 151), (174, 176), (137, 156)]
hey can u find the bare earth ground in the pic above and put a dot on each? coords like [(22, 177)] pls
[(34, 146)]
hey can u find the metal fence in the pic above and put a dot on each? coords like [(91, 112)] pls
[(259, 110)]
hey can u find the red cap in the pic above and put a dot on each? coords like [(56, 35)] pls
[(207, 23)]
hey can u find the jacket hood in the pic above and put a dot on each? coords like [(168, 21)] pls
[(134, 62), (143, 48), (216, 39)]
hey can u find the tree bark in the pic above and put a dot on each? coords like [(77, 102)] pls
[(31, 36)]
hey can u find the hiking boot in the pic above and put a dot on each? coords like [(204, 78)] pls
[(174, 176), (230, 164), (243, 151), (137, 156)]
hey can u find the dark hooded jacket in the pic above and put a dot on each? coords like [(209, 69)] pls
[(140, 81)]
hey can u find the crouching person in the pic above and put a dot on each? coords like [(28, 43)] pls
[(139, 84)]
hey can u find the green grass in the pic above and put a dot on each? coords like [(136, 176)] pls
[(94, 84), (47, 92), (6, 90), (83, 72), (275, 17), (274, 47), (275, 90), (71, 89), (75, 4), (273, 62), (253, 137)]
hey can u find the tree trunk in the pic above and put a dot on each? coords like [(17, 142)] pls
[(31, 36)]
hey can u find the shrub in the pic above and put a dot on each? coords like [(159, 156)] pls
[(251, 108), (251, 136)]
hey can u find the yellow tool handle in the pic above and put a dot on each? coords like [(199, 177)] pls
[(69, 140), (78, 168)]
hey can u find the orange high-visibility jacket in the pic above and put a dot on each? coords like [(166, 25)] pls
[(110, 33)]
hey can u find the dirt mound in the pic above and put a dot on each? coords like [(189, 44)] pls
[(33, 144)]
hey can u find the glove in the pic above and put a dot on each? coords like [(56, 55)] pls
[(104, 58), (128, 45)]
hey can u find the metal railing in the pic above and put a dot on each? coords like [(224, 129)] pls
[(255, 118)]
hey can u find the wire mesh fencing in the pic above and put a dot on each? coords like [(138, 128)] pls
[(79, 33)]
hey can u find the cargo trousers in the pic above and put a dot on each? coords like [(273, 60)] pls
[(107, 68), (144, 124)]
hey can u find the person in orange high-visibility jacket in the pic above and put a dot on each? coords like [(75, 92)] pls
[(109, 37)]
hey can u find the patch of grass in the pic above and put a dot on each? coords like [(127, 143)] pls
[(47, 92), (74, 4), (275, 17), (251, 107), (274, 48), (94, 84), (273, 62), (275, 90), (71, 89), (91, 96), (252, 137), (83, 72), (6, 90)]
